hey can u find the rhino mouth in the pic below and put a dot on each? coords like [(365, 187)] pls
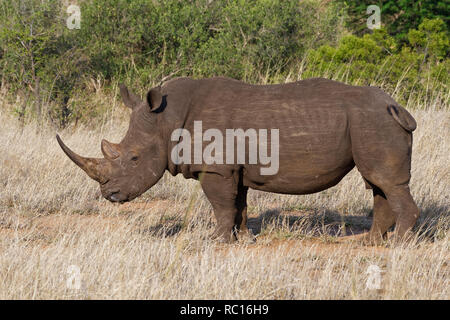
[(117, 197)]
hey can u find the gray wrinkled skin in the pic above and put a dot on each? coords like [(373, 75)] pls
[(325, 128)]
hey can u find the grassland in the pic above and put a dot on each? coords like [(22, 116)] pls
[(157, 247)]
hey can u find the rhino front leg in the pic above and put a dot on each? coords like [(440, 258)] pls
[(223, 194)]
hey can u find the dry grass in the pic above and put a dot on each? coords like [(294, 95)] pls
[(156, 247)]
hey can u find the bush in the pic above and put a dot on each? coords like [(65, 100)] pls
[(39, 56), (397, 16), (419, 68), (141, 42)]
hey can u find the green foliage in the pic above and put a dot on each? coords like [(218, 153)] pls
[(141, 42), (38, 54), (376, 59), (146, 40), (397, 16), (431, 39), (257, 39)]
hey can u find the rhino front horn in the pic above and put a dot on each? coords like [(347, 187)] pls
[(90, 165)]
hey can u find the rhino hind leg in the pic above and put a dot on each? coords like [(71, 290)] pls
[(405, 210), (383, 217), (398, 208), (382, 150), (383, 220), (392, 204)]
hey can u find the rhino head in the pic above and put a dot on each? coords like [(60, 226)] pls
[(132, 166)]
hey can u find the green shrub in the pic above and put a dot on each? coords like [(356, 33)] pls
[(141, 42), (419, 68), (430, 39), (397, 16), (39, 55)]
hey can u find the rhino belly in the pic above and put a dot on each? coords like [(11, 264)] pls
[(298, 181), (311, 159)]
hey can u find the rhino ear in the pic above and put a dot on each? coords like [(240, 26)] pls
[(129, 99), (154, 98)]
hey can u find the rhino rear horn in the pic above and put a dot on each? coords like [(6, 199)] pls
[(109, 150), (90, 165)]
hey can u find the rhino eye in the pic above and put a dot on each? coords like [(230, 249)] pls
[(134, 158)]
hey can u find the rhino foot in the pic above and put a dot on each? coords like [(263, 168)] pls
[(245, 236), (221, 236)]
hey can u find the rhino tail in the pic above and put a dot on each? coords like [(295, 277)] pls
[(403, 117)]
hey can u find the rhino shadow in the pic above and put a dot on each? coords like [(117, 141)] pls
[(163, 230), (327, 222), (431, 225)]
